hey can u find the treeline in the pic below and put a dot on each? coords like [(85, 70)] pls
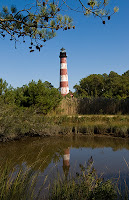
[(108, 86), (39, 96), (95, 94)]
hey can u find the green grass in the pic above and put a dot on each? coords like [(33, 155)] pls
[(86, 185), (21, 184), (17, 123)]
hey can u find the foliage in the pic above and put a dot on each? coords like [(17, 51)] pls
[(109, 86), (17, 122), (40, 20), (22, 112), (43, 97), (3, 86), (86, 185)]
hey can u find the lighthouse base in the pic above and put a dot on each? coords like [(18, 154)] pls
[(64, 91)]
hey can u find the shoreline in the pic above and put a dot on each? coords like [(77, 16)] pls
[(18, 123), (65, 132)]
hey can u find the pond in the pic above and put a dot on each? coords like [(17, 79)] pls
[(65, 154)]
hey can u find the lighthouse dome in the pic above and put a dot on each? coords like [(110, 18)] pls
[(63, 50)]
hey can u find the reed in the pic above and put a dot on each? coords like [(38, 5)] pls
[(16, 123), (21, 123), (22, 183), (19, 183), (92, 105)]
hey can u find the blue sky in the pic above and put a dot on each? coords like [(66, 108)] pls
[(91, 48)]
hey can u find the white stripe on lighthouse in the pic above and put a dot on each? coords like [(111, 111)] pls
[(64, 90), (63, 66), (63, 78)]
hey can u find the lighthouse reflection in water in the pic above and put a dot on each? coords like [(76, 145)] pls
[(66, 162)]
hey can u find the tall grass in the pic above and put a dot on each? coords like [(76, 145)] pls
[(92, 105), (22, 123), (17, 122), (21, 183), (85, 186)]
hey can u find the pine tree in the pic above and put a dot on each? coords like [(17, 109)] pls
[(41, 20)]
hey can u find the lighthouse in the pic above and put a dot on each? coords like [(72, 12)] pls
[(64, 87)]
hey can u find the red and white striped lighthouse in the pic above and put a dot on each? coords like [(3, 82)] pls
[(64, 87)]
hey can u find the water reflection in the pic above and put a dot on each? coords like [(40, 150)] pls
[(66, 162), (107, 153)]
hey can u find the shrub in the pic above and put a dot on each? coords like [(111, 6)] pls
[(86, 185)]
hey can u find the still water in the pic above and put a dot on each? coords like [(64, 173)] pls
[(64, 154)]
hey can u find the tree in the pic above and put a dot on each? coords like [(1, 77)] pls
[(43, 97), (109, 86), (3, 86), (41, 20), (91, 86), (40, 97)]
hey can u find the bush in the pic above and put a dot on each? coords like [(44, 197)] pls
[(86, 186)]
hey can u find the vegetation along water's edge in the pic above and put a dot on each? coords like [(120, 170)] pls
[(17, 123), (38, 109), (21, 183)]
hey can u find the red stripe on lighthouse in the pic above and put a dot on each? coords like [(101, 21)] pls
[(63, 60), (63, 84), (63, 71)]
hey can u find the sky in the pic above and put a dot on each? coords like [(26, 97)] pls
[(92, 48)]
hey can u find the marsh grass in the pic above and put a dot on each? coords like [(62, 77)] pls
[(16, 123), (92, 105), (24, 123), (19, 183), (122, 189), (86, 185), (22, 183)]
